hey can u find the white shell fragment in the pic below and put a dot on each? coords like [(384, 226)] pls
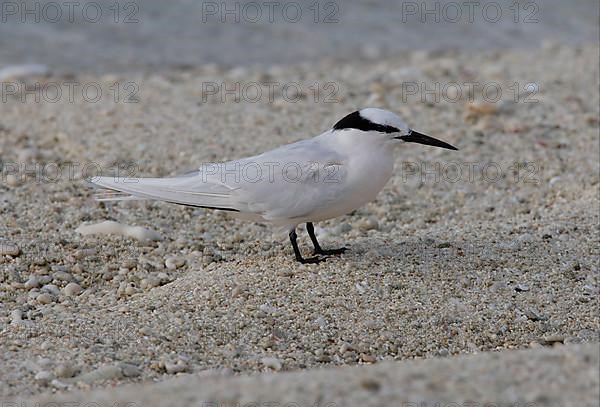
[(115, 228)]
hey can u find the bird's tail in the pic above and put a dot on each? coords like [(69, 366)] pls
[(104, 194), (190, 191)]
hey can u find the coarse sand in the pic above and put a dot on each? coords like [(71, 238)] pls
[(490, 248)]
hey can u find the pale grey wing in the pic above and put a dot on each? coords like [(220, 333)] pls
[(289, 182), (184, 190), (302, 178)]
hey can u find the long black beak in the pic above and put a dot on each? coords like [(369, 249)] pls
[(415, 137)]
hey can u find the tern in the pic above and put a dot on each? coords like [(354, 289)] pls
[(308, 181)]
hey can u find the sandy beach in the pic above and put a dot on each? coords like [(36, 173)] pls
[(481, 251), (561, 376)]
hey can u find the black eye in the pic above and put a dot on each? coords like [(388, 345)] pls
[(356, 121)]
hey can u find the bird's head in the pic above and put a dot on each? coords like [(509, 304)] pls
[(386, 126)]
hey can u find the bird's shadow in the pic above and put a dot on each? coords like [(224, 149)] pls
[(452, 254)]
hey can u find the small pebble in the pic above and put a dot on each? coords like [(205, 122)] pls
[(130, 370), (83, 253), (533, 315), (12, 180), (173, 263), (521, 287), (44, 377), (7, 249), (345, 347), (57, 384), (44, 279), (39, 261), (552, 339), (65, 371), (368, 358), (32, 282), (72, 289), (176, 367), (63, 276), (128, 264), (368, 224), (51, 289), (163, 277), (149, 282), (272, 363), (44, 298), (268, 309), (102, 373), (16, 316)]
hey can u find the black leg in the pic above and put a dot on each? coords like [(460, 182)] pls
[(293, 239), (318, 250)]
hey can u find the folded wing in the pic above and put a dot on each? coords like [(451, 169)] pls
[(289, 182), (185, 190)]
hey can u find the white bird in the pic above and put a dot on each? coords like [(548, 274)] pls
[(304, 182)]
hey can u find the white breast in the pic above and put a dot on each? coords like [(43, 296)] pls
[(367, 174)]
